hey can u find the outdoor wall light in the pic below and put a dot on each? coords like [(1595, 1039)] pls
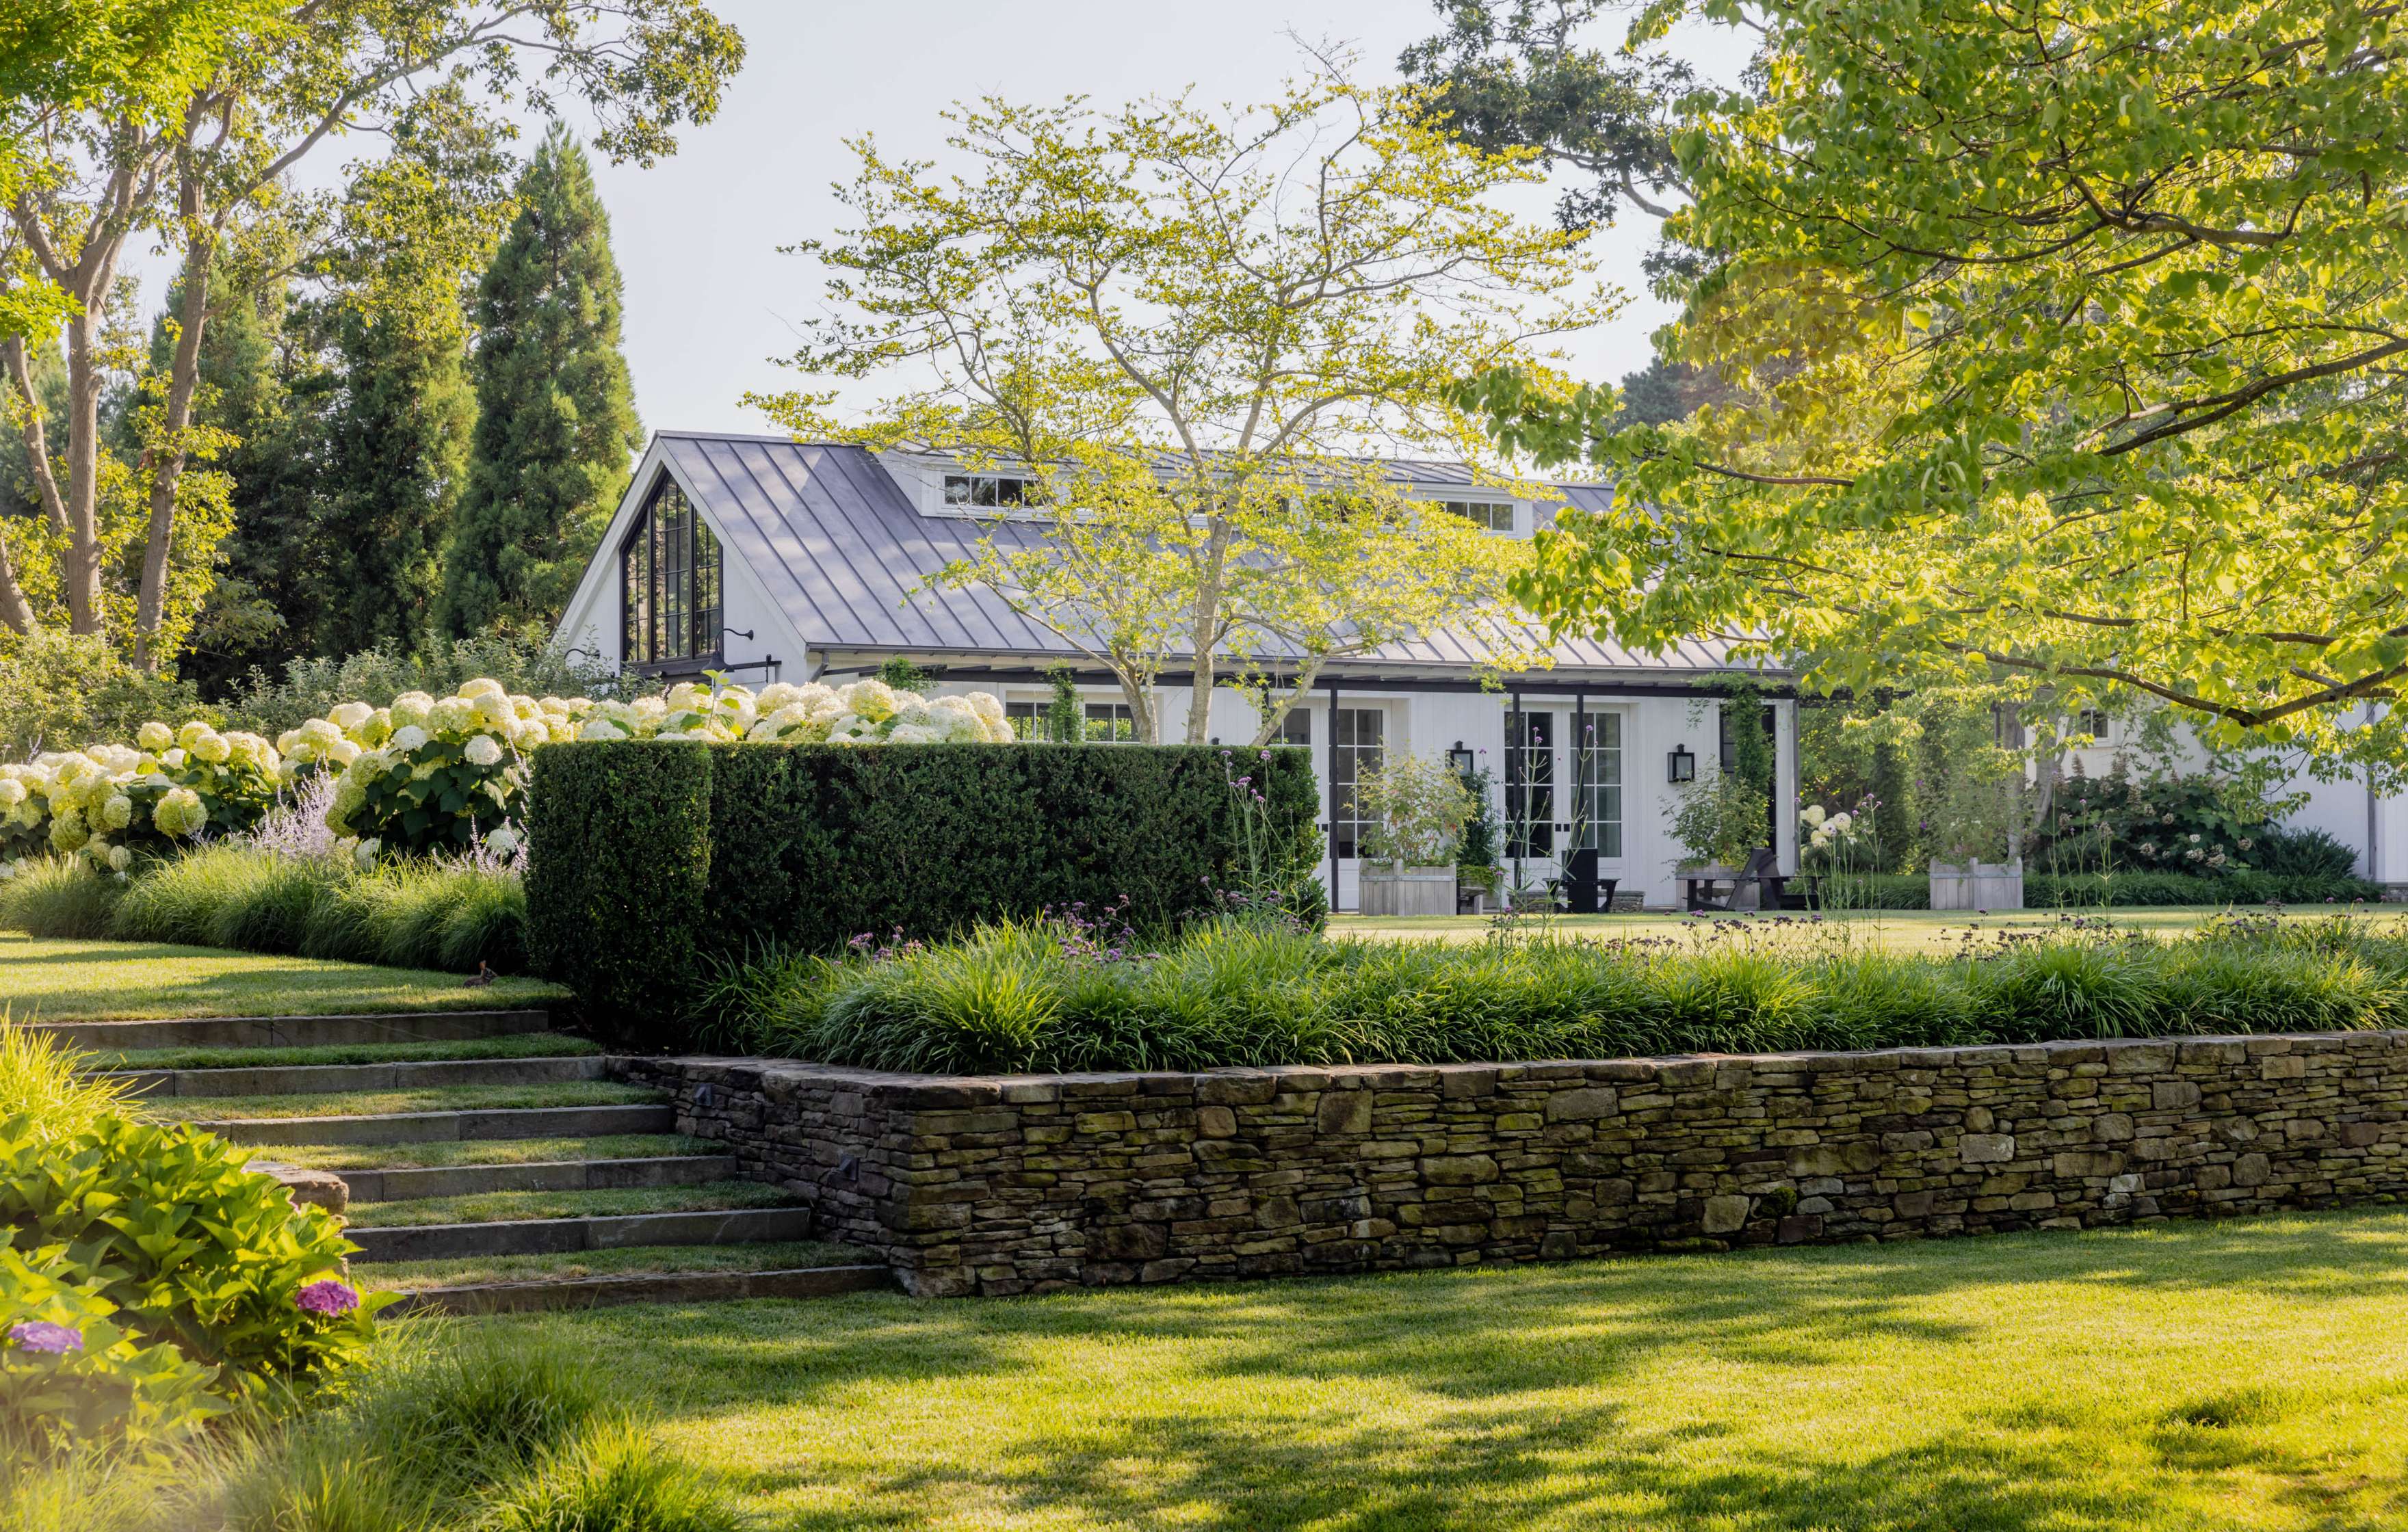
[(1680, 766), (1464, 762), (736, 632)]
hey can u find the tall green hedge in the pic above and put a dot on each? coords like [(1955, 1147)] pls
[(648, 859), (2048, 891)]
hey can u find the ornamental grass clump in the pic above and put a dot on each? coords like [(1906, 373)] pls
[(1037, 996)]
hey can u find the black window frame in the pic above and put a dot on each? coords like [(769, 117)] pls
[(1007, 491), (682, 547)]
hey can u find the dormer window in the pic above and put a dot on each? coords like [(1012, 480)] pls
[(1493, 515), (672, 574), (984, 491)]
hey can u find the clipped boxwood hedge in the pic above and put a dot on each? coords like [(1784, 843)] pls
[(650, 859)]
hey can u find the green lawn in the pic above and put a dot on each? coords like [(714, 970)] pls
[(2238, 1375), (436, 1155), (631, 1261), (1900, 930), (602, 1202), (135, 980), (571, 1093)]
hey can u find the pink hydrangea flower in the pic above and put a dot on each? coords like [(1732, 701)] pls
[(36, 1335), (326, 1297)]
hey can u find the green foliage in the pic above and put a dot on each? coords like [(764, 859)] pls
[(679, 850), (1724, 815), (62, 692), (443, 914), (165, 1223), (903, 675), (61, 897), (2075, 361), (1034, 997), (555, 415), (397, 447), (1483, 837), (1065, 722), (112, 1390), (613, 1478), (1417, 808), (1510, 74), (313, 688)]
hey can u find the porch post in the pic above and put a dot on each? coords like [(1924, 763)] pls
[(1332, 796)]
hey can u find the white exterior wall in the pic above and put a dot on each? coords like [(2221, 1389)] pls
[(2377, 828)]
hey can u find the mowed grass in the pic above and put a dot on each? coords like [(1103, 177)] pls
[(442, 1155), (45, 980), (630, 1261), (1932, 931), (2195, 1376), (604, 1202), (571, 1093), (528, 1045)]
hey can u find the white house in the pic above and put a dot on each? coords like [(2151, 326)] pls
[(775, 560)]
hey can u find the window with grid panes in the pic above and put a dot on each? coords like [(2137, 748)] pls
[(672, 574), (1600, 784), (1357, 738), (1530, 784)]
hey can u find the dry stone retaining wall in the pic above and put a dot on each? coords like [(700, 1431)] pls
[(1030, 1184)]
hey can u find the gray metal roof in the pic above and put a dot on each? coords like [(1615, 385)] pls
[(843, 551)]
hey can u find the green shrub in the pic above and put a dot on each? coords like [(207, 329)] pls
[(72, 1378), (612, 1478), (59, 897), (687, 853)]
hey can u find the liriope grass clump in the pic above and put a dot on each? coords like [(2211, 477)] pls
[(1052, 995)]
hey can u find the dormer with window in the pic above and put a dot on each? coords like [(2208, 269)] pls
[(1003, 492), (1488, 515), (672, 584)]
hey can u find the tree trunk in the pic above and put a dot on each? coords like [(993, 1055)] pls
[(80, 568), (183, 377), (15, 610), (1203, 628)]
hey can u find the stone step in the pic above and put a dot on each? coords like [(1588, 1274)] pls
[(555, 1236), (411, 1127), (411, 1184), (295, 1031), (664, 1287), (312, 1078)]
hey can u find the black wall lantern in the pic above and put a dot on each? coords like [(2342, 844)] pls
[(1462, 761), (1680, 766)]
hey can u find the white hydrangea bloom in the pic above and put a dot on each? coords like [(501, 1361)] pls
[(410, 708), (484, 749), (871, 699), (914, 734), (364, 855), (155, 736), (179, 812), (116, 812), (503, 841), (601, 728), (343, 752), (483, 686), (451, 716), (348, 716), (686, 695), (13, 793), (213, 748), (191, 733), (120, 858), (491, 707)]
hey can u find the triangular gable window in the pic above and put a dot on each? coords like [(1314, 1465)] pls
[(672, 574)]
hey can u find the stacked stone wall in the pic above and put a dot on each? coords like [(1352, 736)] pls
[(1022, 1184)]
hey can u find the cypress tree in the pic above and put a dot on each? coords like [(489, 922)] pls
[(398, 443), (556, 416)]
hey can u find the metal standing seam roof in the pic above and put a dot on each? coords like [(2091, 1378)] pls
[(843, 551)]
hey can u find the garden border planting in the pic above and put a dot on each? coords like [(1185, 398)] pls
[(1013, 1185)]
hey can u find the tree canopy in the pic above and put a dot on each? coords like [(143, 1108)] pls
[(2068, 346), (1185, 324), (181, 118)]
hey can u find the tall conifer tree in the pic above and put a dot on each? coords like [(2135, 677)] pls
[(556, 418)]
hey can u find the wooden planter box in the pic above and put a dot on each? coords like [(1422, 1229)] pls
[(1978, 885), (1408, 891)]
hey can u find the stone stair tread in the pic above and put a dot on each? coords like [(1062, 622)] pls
[(518, 1205), (658, 1287), (550, 1235)]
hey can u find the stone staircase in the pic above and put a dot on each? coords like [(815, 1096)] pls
[(515, 1175)]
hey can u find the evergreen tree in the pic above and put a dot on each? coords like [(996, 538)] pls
[(396, 447), (555, 417)]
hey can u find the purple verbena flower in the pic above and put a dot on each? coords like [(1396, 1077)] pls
[(40, 1334), (326, 1297)]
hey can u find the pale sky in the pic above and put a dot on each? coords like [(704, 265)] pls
[(709, 297)]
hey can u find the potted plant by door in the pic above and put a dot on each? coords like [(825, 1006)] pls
[(1414, 812), (1976, 805), (1479, 876)]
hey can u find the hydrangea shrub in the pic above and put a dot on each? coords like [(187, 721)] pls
[(425, 773)]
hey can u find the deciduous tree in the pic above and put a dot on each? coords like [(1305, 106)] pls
[(1186, 324), (2075, 350)]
